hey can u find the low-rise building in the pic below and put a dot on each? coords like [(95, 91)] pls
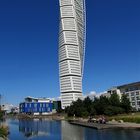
[(6, 108), (15, 110), (36, 106), (39, 106)]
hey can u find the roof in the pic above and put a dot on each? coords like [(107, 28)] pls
[(44, 98), (130, 84)]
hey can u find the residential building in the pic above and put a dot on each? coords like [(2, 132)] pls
[(113, 90), (71, 49), (132, 90)]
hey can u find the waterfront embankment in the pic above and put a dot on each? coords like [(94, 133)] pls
[(50, 117)]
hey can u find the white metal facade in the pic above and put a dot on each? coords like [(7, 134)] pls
[(71, 49)]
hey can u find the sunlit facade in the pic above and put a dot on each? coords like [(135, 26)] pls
[(71, 49)]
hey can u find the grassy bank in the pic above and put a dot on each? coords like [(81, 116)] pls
[(133, 117), (3, 131)]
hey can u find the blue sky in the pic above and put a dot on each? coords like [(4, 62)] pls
[(29, 47)]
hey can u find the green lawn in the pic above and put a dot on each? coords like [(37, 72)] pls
[(133, 117)]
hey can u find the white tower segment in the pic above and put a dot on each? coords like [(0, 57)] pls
[(71, 49)]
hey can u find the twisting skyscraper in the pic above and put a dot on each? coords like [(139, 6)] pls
[(71, 49)]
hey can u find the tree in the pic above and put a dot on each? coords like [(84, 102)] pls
[(114, 100), (103, 105), (125, 103), (100, 104), (76, 108), (92, 111), (70, 110), (87, 104), (113, 110)]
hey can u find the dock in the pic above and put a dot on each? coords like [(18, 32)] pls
[(108, 125)]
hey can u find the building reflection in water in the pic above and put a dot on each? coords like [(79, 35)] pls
[(36, 127), (71, 132)]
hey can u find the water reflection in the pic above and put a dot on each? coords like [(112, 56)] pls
[(37, 127), (62, 130), (71, 132)]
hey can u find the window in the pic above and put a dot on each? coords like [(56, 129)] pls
[(48, 109), (138, 103), (138, 97), (133, 98), (132, 93), (35, 105), (114, 92), (137, 93), (40, 105), (35, 109), (40, 110), (44, 105), (25, 104), (126, 90)]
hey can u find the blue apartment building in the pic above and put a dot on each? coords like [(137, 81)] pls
[(36, 106)]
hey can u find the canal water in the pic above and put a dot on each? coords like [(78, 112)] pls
[(61, 130)]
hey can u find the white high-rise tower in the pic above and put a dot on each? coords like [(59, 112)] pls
[(71, 49)]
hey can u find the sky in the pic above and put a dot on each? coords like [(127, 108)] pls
[(29, 47)]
